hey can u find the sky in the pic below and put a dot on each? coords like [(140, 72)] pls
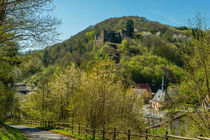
[(76, 15)]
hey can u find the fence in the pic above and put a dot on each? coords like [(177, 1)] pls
[(104, 134)]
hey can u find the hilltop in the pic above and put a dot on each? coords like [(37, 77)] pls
[(142, 58)]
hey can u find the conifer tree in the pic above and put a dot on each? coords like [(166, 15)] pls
[(130, 27)]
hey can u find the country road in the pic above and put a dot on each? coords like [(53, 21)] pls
[(39, 134)]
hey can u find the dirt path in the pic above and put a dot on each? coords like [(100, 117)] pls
[(39, 134)]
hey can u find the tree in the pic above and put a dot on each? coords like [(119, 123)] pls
[(27, 22), (148, 68), (64, 90), (101, 93), (196, 84), (22, 23), (104, 101), (5, 102), (130, 27), (95, 97), (8, 61), (109, 50)]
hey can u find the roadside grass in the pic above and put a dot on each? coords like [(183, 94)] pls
[(61, 131), (74, 135), (8, 133)]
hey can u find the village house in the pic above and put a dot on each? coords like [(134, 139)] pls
[(161, 96), (21, 88), (143, 91)]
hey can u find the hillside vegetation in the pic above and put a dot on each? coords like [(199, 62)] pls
[(142, 58), (8, 133)]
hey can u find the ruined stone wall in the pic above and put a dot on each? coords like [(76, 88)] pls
[(124, 34), (108, 36), (99, 40)]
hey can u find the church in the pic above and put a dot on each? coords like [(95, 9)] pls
[(161, 95)]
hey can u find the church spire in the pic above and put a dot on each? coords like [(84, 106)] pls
[(164, 83)]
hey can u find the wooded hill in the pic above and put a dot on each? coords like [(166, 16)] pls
[(142, 58)]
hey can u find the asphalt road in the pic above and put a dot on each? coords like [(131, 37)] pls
[(39, 134)]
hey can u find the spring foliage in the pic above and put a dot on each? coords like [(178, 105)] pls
[(196, 84), (96, 97)]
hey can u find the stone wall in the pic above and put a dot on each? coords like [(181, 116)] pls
[(124, 34), (110, 36), (99, 39)]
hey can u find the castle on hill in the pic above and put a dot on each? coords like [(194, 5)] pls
[(110, 36)]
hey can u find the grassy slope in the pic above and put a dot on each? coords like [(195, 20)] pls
[(8, 133)]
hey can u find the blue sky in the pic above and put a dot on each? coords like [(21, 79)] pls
[(76, 15)]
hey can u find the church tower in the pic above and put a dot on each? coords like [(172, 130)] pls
[(164, 83)]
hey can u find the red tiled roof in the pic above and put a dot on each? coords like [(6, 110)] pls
[(143, 86)]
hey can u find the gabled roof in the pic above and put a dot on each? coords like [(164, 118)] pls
[(143, 86), (142, 90), (139, 91), (161, 96), (19, 84), (20, 87)]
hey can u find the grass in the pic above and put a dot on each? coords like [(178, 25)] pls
[(74, 135), (63, 132), (69, 133), (8, 133)]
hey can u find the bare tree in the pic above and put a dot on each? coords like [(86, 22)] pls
[(27, 22)]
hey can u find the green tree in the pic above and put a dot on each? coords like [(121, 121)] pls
[(6, 97), (22, 23), (8, 61), (110, 50), (95, 97), (196, 85), (130, 27), (149, 68), (104, 101)]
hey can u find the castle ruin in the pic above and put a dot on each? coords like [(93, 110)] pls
[(110, 36)]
